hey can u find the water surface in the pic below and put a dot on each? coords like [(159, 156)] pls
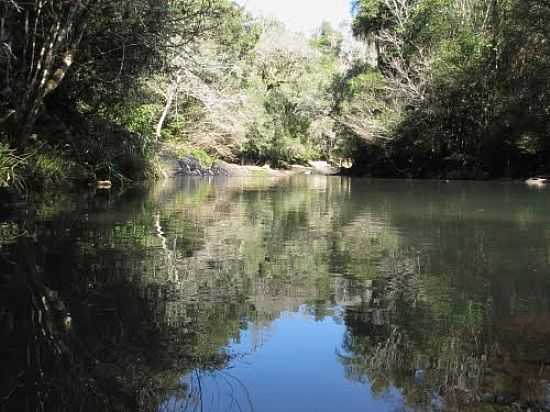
[(301, 294)]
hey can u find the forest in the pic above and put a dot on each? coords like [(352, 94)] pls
[(427, 294), (98, 89)]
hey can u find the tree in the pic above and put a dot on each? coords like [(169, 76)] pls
[(109, 42), (453, 86), (39, 43)]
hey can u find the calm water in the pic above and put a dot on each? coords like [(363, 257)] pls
[(307, 294)]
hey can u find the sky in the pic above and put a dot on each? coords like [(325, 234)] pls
[(302, 15)]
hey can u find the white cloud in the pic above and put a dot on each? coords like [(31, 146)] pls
[(302, 15)]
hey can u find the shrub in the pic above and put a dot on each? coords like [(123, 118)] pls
[(10, 168)]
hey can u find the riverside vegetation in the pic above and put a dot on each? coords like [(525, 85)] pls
[(219, 294), (94, 90)]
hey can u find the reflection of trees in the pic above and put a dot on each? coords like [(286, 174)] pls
[(158, 281), (443, 321), (79, 328), (92, 345), (151, 286), (463, 370)]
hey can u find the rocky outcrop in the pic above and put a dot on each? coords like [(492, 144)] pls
[(190, 166), (539, 181), (324, 168)]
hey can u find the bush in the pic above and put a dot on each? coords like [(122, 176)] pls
[(52, 167), (10, 168), (110, 152)]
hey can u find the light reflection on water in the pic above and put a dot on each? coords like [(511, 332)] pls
[(307, 294)]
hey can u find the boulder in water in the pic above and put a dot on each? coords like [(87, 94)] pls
[(537, 181)]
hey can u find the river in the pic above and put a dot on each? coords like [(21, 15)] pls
[(301, 294)]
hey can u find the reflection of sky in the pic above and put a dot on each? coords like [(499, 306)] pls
[(296, 369)]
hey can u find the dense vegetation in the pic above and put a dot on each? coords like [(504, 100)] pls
[(460, 88), (96, 89), (68, 70)]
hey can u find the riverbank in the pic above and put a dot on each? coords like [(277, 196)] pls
[(43, 171), (173, 165)]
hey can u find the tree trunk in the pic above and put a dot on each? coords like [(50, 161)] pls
[(170, 96), (51, 40)]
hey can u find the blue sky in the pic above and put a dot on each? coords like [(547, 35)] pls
[(302, 15)]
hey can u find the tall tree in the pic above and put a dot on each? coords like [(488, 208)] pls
[(109, 42), (39, 40)]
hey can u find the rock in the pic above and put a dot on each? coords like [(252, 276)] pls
[(103, 184), (517, 406), (186, 166), (220, 169), (190, 164), (324, 168), (299, 169), (537, 181)]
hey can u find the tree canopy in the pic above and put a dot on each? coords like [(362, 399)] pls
[(461, 96)]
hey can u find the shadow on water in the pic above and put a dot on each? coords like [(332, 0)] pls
[(80, 329), (142, 301)]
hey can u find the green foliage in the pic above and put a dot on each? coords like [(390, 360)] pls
[(445, 85), (10, 167), (94, 116), (138, 118), (271, 146), (261, 94), (328, 39), (455, 55), (50, 166), (370, 16), (460, 94)]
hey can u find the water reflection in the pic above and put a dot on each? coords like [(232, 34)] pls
[(302, 294)]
